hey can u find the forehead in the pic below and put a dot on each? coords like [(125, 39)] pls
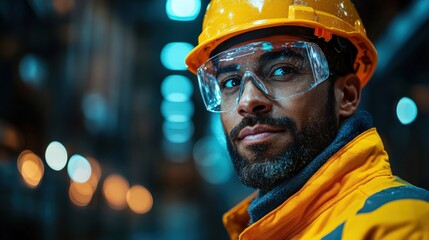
[(275, 38)]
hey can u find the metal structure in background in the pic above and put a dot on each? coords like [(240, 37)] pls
[(89, 74)]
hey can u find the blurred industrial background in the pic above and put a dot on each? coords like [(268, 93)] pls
[(103, 134)]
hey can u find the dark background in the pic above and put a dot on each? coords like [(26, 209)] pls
[(112, 48)]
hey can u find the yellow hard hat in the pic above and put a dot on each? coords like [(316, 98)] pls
[(225, 19)]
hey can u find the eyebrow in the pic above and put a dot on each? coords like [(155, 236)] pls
[(269, 56), (262, 60), (227, 69)]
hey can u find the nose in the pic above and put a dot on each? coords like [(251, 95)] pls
[(253, 102)]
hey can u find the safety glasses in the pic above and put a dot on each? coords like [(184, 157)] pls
[(279, 70)]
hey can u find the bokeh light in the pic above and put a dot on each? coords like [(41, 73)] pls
[(139, 199), (173, 55), (177, 88), (183, 10), (95, 110), (56, 156), (95, 173), (212, 161), (80, 193), (33, 70), (178, 152), (31, 168), (115, 188), (178, 132), (63, 7), (78, 168), (406, 110), (177, 111)]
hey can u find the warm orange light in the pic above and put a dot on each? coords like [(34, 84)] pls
[(115, 189), (63, 6), (31, 173), (31, 168), (95, 173), (95, 166), (80, 193), (139, 199), (24, 155)]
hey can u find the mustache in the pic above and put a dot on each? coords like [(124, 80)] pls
[(281, 122)]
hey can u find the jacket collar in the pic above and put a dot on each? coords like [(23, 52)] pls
[(347, 164)]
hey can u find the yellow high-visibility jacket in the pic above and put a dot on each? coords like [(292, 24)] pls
[(352, 196)]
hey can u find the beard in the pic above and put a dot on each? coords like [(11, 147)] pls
[(263, 170)]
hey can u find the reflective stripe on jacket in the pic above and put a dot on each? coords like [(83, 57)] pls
[(352, 196)]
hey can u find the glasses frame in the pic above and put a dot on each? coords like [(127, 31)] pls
[(212, 96)]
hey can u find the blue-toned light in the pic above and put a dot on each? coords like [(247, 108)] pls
[(32, 70), (177, 111), (173, 55), (398, 34), (94, 108), (56, 156), (212, 161), (406, 110), (177, 152), (177, 88), (183, 10), (41, 7), (216, 130), (79, 169), (178, 132)]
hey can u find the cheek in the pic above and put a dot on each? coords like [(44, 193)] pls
[(229, 120), (306, 108)]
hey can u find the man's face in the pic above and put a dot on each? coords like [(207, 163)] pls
[(271, 141)]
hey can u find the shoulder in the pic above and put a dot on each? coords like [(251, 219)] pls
[(395, 195), (394, 213)]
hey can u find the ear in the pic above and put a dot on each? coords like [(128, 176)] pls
[(347, 93)]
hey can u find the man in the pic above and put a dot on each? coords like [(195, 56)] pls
[(286, 77)]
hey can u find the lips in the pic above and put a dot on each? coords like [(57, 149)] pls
[(258, 131)]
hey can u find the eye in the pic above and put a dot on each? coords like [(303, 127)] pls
[(231, 82), (282, 71)]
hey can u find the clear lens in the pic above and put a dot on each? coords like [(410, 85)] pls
[(279, 70)]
